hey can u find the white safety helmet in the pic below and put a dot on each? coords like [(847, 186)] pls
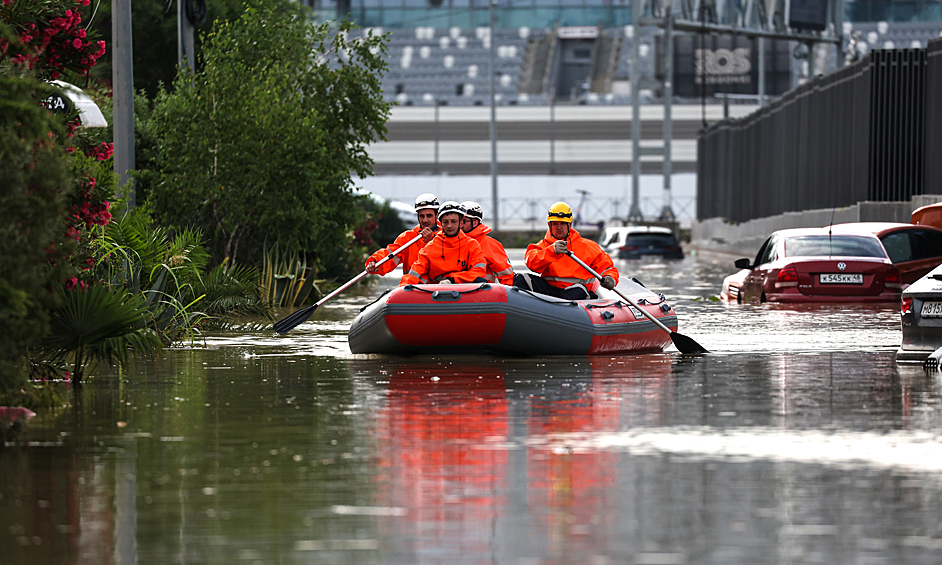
[(451, 207), (426, 200), (473, 209)]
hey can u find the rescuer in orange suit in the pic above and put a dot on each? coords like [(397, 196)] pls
[(558, 274), (498, 266), (451, 256), (426, 210)]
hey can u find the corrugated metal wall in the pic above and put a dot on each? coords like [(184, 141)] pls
[(933, 124), (864, 132), (897, 117)]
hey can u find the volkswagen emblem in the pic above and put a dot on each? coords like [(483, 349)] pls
[(841, 266)]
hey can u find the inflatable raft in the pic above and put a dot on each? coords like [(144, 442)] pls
[(493, 318)]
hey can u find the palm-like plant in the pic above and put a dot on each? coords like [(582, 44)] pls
[(100, 325), (150, 290)]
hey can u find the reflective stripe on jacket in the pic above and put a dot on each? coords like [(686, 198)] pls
[(459, 258), (562, 271), (406, 258), (498, 266)]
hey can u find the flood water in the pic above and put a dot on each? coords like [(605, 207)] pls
[(799, 439)]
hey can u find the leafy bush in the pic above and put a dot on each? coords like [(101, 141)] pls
[(260, 145), (34, 250)]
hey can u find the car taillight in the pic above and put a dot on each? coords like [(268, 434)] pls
[(628, 248), (892, 279), (786, 277), (907, 305), (673, 248)]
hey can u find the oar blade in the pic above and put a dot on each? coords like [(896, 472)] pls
[(686, 345), (294, 319)]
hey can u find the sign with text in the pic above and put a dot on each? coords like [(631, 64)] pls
[(728, 64), (577, 32)]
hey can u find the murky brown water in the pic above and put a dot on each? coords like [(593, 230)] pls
[(798, 440)]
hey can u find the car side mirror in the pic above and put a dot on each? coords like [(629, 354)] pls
[(743, 264)]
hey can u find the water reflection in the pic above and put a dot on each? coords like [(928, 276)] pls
[(800, 440)]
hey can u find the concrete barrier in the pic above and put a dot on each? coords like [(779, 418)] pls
[(716, 234)]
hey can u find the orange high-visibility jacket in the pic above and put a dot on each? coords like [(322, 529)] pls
[(406, 258), (458, 257), (498, 266), (562, 271)]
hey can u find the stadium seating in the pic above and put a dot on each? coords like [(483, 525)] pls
[(450, 66)]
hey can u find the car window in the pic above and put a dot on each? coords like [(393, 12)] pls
[(646, 239), (614, 237), (833, 245), (765, 252), (925, 244), (898, 246)]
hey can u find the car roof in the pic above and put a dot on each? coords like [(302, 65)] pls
[(792, 232), (878, 228), (644, 229)]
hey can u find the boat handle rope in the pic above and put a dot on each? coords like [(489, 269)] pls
[(484, 286)]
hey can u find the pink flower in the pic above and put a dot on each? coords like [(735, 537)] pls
[(9, 415), (77, 43)]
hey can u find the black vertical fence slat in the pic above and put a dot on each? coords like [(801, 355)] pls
[(933, 123), (869, 131)]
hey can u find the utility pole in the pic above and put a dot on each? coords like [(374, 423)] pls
[(493, 128), (186, 54), (634, 214), (122, 78), (667, 211)]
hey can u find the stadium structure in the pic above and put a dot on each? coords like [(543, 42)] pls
[(562, 80)]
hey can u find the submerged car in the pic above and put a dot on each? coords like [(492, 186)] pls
[(634, 242), (815, 265), (915, 250), (921, 309)]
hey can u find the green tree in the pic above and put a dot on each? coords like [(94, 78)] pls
[(261, 143), (154, 33)]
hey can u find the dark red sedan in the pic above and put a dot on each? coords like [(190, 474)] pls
[(915, 250), (816, 265)]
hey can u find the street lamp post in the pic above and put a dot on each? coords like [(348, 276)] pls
[(122, 77), (493, 129)]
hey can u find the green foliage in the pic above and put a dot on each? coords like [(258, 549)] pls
[(35, 181), (262, 142), (286, 279), (172, 271), (381, 226), (154, 30), (100, 325)]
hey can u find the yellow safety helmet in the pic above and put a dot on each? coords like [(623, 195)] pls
[(559, 212)]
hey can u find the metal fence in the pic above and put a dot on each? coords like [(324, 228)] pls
[(530, 213), (868, 131)]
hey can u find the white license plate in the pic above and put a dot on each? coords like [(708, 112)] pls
[(841, 278), (931, 310)]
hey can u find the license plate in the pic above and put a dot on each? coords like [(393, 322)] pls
[(931, 310), (841, 278)]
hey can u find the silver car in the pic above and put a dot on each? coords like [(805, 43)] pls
[(922, 318)]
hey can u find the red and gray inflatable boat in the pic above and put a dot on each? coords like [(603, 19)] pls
[(493, 318)]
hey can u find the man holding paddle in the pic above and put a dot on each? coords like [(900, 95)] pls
[(557, 273), (498, 265), (451, 256), (426, 208)]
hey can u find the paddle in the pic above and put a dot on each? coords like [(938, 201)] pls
[(684, 344), (298, 317)]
